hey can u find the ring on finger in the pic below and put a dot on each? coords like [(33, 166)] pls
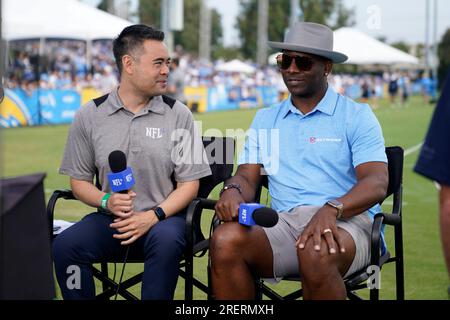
[(326, 231)]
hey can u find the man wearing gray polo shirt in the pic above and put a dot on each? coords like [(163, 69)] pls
[(147, 126), (325, 159)]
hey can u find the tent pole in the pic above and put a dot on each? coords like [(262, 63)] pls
[(435, 43), (89, 55), (41, 46), (38, 74)]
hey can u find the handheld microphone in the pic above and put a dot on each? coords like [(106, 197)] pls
[(121, 178), (251, 214)]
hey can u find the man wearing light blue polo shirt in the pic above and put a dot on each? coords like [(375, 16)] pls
[(325, 158)]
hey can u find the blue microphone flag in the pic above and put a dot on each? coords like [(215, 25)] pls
[(122, 180)]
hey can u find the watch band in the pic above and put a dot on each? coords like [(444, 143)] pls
[(338, 206), (230, 186), (160, 214)]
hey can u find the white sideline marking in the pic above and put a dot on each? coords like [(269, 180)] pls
[(437, 185), (413, 149), (390, 203)]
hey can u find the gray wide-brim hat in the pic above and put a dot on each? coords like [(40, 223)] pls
[(309, 37)]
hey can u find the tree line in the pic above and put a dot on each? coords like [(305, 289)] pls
[(330, 12)]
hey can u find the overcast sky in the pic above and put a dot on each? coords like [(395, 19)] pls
[(394, 19)]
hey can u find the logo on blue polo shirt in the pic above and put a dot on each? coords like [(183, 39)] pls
[(316, 140)]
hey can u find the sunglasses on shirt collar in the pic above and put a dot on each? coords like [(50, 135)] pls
[(303, 63)]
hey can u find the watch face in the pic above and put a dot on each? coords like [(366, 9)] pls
[(160, 213)]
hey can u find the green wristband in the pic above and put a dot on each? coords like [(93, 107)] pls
[(104, 203)]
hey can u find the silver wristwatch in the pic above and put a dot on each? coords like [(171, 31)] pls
[(338, 206)]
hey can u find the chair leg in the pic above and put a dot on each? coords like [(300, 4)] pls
[(112, 286), (188, 285), (104, 269), (374, 294), (209, 294), (400, 278), (258, 290), (353, 296), (400, 281)]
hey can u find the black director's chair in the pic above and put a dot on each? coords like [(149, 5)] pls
[(220, 152)]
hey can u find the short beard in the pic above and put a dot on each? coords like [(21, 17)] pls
[(304, 95), (309, 92)]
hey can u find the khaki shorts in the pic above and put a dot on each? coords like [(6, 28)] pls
[(284, 234)]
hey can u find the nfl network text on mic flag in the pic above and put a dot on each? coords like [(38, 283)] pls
[(122, 180), (251, 214)]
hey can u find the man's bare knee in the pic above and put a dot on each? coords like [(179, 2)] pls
[(310, 258), (227, 239), (236, 245), (314, 265)]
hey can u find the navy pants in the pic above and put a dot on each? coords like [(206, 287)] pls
[(91, 241)]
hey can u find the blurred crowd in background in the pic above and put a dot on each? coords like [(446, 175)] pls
[(64, 64)]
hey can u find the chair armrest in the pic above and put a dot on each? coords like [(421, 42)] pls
[(375, 239), (379, 220), (193, 217), (57, 194), (397, 202), (391, 219)]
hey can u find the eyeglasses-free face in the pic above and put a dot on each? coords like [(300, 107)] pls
[(303, 63)]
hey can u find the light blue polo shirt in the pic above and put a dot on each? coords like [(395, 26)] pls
[(311, 158)]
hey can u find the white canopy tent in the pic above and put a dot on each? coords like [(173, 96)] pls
[(362, 49), (235, 66), (70, 19)]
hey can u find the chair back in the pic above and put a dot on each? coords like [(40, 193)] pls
[(395, 168), (220, 153)]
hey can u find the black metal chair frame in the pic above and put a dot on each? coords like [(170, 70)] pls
[(359, 279), (220, 153)]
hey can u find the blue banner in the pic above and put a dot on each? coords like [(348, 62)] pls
[(58, 106), (234, 97), (223, 98), (19, 108), (41, 106), (44, 106), (269, 95)]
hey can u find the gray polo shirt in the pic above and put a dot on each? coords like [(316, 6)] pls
[(161, 143)]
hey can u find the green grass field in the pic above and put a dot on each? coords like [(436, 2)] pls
[(39, 149)]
